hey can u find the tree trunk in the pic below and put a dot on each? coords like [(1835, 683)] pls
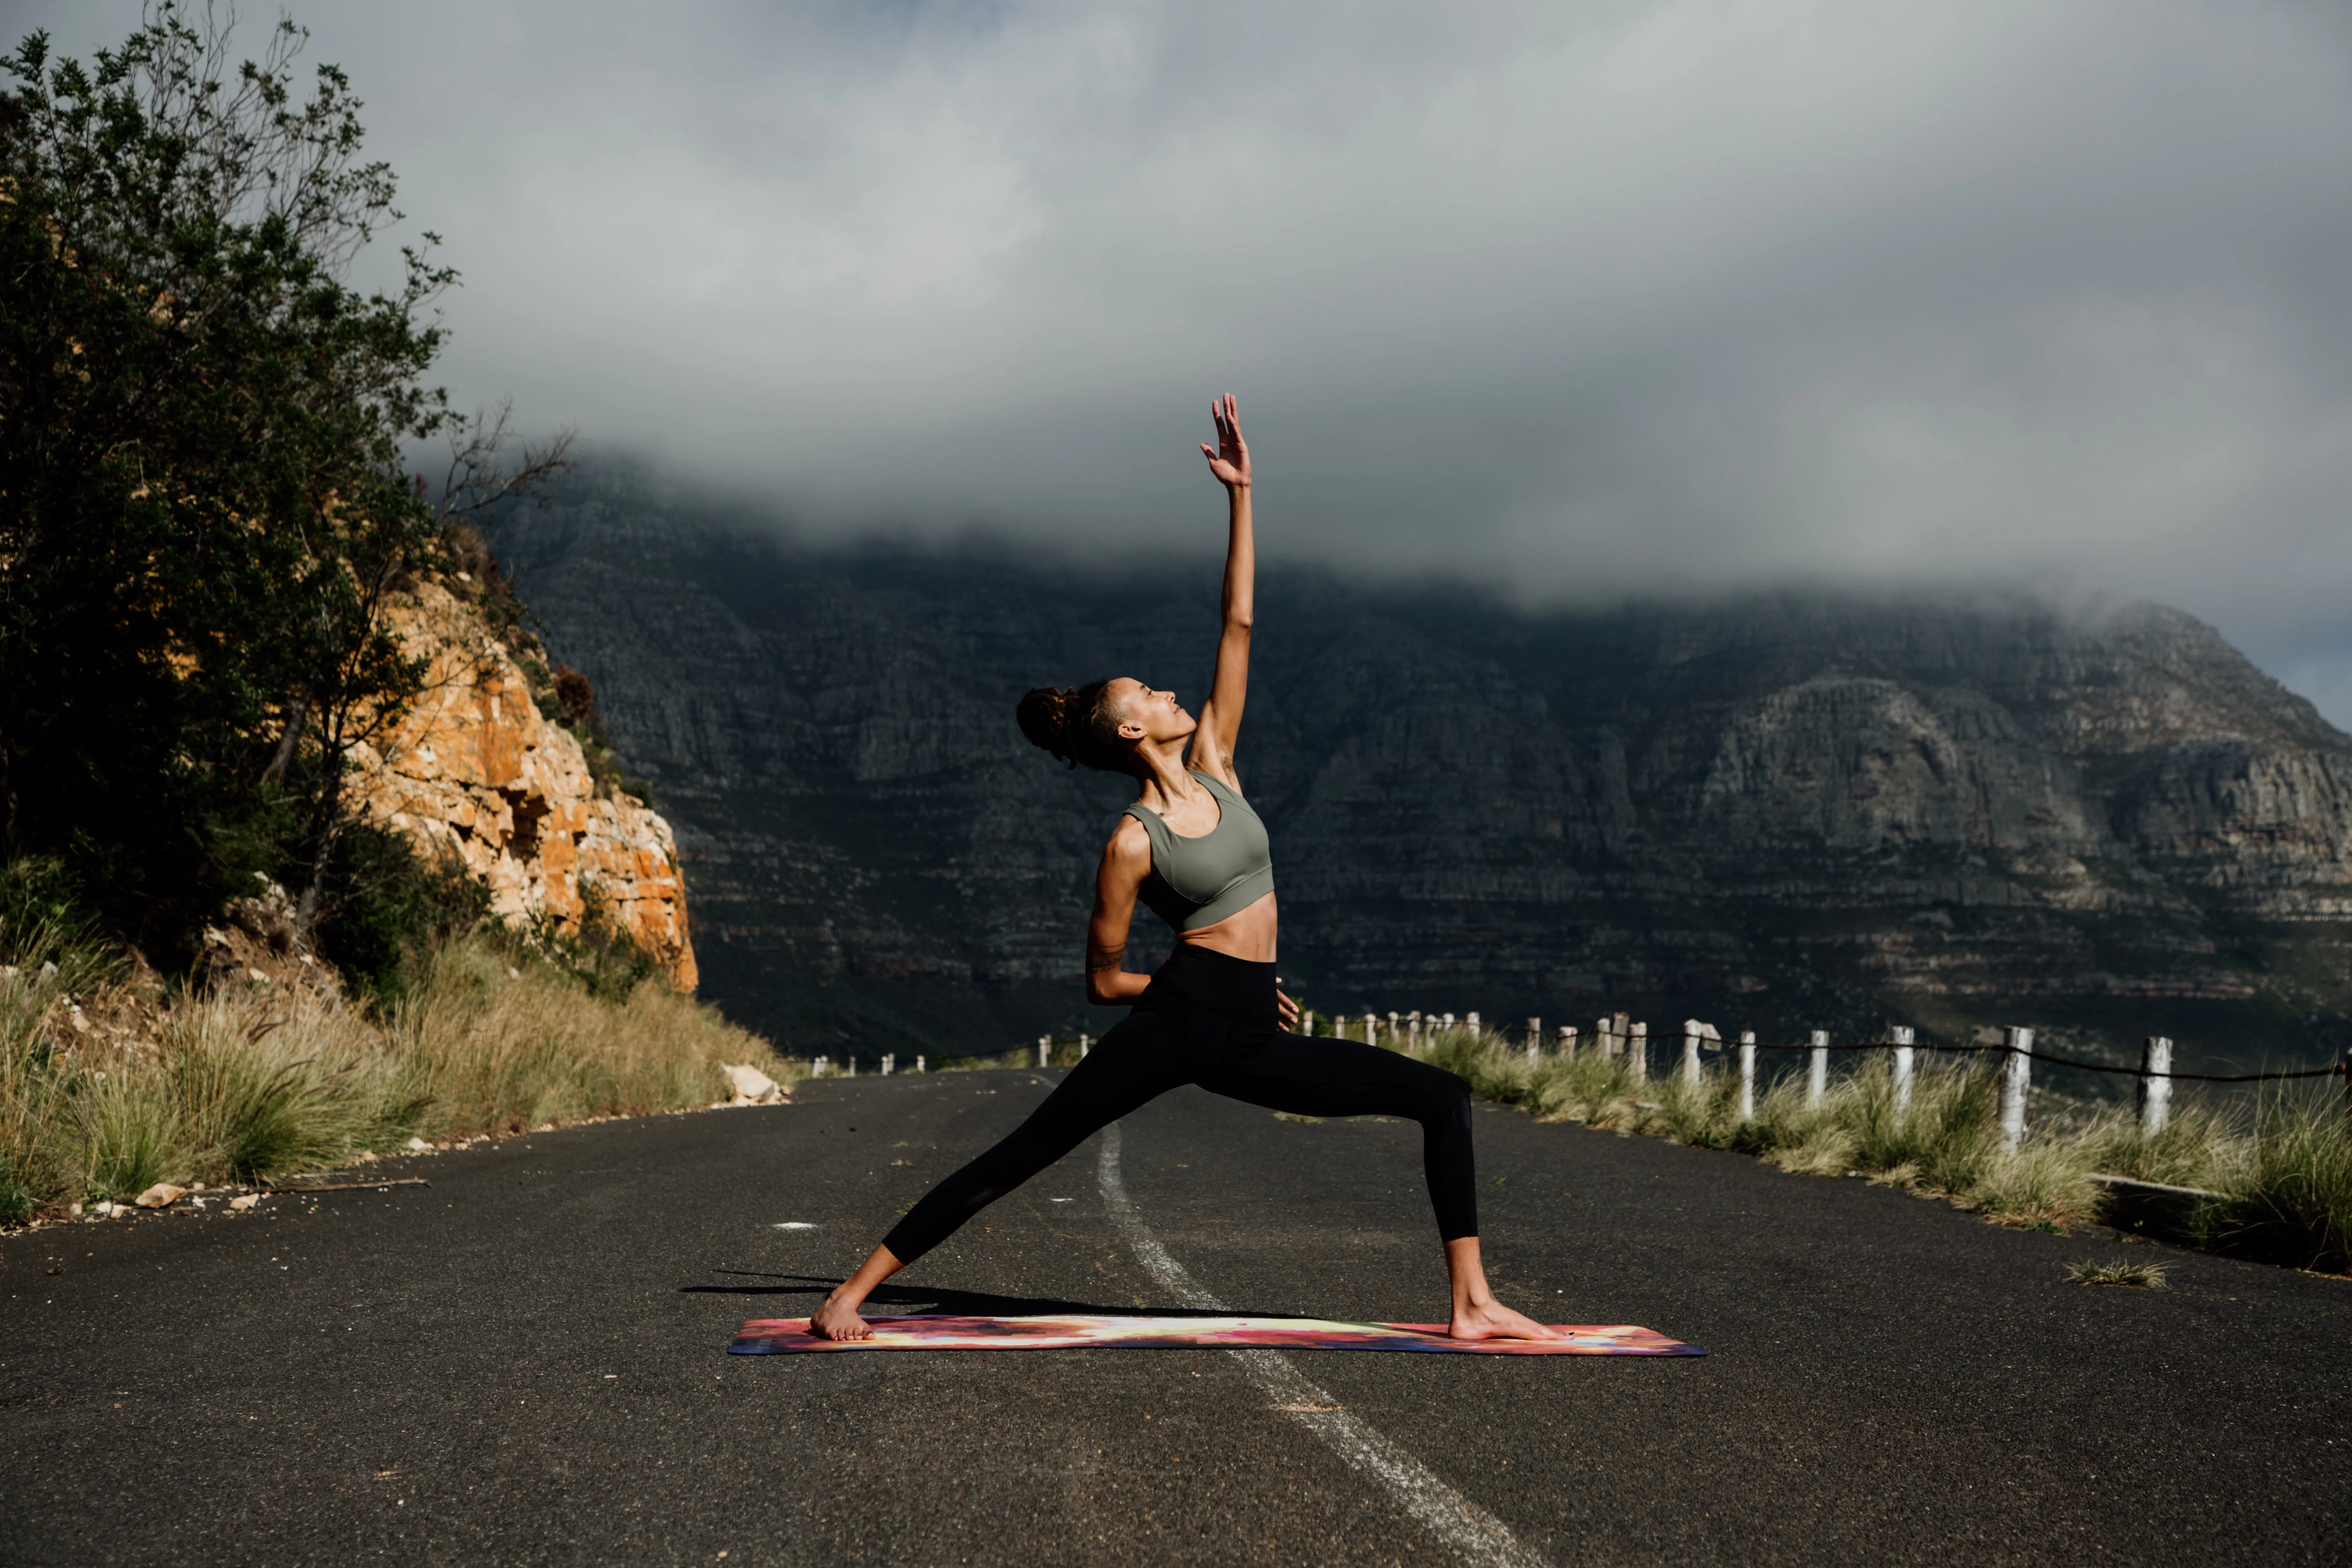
[(275, 771), (327, 827)]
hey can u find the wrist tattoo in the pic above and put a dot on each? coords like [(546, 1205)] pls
[(1100, 958)]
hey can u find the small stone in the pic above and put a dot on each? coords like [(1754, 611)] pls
[(420, 1146), (256, 977), (74, 1210), (162, 1196), (513, 974), (750, 1086), (249, 1200)]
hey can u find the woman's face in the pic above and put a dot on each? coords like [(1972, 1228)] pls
[(1149, 715)]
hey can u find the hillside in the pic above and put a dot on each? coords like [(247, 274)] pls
[(1796, 810)]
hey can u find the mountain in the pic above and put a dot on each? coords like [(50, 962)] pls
[(1779, 812)]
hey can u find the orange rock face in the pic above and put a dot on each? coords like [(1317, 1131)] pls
[(476, 769)]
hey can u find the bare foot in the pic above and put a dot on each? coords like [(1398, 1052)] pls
[(1493, 1320), (836, 1320)]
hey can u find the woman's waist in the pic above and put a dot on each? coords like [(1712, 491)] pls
[(1199, 974), (1248, 933)]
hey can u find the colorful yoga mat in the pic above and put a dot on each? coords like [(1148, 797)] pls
[(787, 1336)]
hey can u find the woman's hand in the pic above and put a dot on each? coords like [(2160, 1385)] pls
[(1228, 458), (1289, 1007)]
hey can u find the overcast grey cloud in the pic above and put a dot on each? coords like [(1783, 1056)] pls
[(1587, 299)]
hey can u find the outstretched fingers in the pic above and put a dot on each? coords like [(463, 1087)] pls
[(1228, 458)]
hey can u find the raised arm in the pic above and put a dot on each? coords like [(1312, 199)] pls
[(1221, 716), (1126, 860)]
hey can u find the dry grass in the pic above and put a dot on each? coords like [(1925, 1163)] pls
[(241, 1084), (2282, 1165), (2129, 1276)]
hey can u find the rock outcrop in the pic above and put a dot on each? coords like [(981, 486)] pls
[(477, 770), (1800, 810)]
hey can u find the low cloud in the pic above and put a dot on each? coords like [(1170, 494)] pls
[(1587, 299)]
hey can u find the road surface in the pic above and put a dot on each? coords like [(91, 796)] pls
[(523, 1363)]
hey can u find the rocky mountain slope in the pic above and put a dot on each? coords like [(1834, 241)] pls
[(477, 771), (1780, 812)]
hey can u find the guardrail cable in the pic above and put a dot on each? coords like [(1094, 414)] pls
[(2338, 1071)]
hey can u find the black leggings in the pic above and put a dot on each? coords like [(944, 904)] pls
[(1212, 1020)]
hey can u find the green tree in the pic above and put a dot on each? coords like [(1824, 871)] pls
[(204, 510)]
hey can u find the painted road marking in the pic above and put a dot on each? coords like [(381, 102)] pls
[(1474, 1535)]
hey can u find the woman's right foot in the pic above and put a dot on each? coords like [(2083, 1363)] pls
[(837, 1320), (1493, 1320)]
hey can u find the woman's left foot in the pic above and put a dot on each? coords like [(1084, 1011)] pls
[(1496, 1321)]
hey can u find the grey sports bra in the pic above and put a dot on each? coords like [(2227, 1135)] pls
[(1196, 882)]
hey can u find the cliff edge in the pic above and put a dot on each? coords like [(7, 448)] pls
[(477, 769)]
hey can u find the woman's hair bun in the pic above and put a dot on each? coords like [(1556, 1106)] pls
[(1077, 724), (1045, 715)]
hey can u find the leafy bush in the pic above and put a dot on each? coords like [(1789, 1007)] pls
[(387, 909)]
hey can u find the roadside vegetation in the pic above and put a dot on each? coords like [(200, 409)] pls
[(111, 1080), (2281, 1161), (206, 436)]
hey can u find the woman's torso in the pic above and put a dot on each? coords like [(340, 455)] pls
[(1215, 889)]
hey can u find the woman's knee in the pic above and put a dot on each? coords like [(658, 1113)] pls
[(1447, 1096)]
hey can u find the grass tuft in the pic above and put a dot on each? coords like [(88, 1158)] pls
[(2129, 1276)]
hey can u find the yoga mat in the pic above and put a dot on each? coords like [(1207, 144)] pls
[(788, 1336)]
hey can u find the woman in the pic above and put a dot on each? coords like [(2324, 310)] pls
[(1193, 851)]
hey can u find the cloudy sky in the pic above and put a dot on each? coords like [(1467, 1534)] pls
[(1587, 299)]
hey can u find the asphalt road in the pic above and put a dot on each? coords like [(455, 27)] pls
[(523, 1363)]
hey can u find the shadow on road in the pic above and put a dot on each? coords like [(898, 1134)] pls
[(957, 1303)]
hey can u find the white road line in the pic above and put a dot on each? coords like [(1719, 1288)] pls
[(1474, 1535)]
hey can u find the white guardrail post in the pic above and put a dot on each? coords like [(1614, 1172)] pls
[(2155, 1085), (1747, 1075), (1817, 1071), (1904, 1062), (2016, 1077), (1534, 1041), (1693, 1033), (1637, 1053), (1568, 1042)]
